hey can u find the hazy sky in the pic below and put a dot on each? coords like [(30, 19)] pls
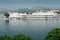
[(15, 4)]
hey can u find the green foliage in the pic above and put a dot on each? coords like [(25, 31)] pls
[(5, 37), (16, 37), (21, 37), (54, 34), (6, 14)]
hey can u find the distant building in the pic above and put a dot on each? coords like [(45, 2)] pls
[(54, 10), (32, 15)]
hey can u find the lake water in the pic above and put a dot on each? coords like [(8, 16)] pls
[(36, 29)]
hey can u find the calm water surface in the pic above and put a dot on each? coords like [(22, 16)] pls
[(36, 29)]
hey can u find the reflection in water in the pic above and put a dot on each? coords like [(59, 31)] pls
[(7, 22), (37, 29), (6, 27)]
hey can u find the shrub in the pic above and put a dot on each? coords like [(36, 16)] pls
[(16, 37), (54, 34), (21, 37), (5, 37)]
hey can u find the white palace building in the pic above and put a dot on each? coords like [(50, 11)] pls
[(36, 15)]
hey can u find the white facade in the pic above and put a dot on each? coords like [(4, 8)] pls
[(36, 15), (45, 13)]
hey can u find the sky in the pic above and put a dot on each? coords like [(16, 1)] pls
[(16, 4)]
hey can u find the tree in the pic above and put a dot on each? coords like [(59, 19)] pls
[(16, 37), (21, 37), (53, 34), (6, 14), (5, 37)]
